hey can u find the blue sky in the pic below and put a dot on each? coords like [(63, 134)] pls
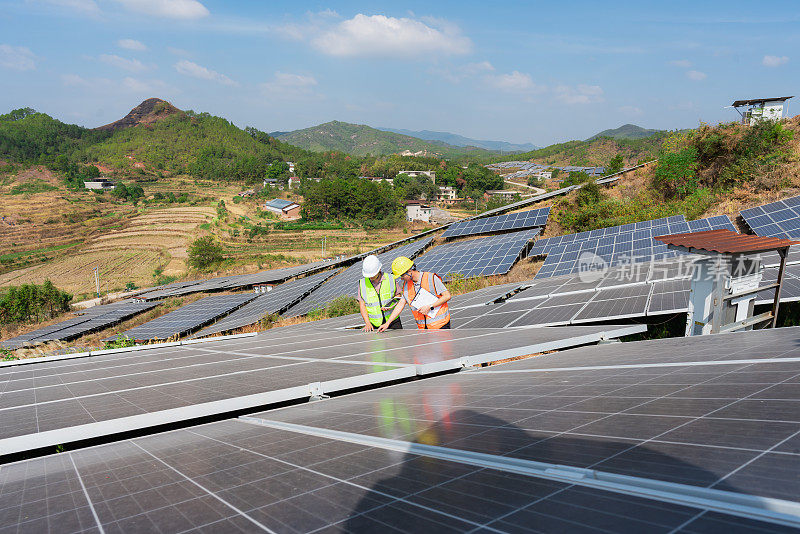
[(516, 71)]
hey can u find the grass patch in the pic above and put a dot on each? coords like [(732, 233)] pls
[(35, 186), (14, 255)]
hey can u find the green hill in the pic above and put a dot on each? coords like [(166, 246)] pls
[(362, 140), (626, 131)]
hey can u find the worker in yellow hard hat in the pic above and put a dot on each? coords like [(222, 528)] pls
[(424, 292)]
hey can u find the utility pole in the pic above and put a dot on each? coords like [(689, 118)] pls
[(97, 281), (323, 247)]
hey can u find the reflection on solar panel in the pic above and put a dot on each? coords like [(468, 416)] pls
[(630, 243), (93, 319), (483, 296), (778, 219), (790, 288), (485, 256), (187, 318), (276, 301), (346, 283), (500, 223)]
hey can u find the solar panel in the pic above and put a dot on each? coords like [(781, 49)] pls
[(790, 287), (620, 245), (53, 402), (485, 256), (276, 301), (669, 296), (710, 424), (777, 219), (345, 283), (615, 303), (187, 319), (499, 223), (92, 320)]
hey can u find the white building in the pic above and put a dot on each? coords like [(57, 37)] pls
[(414, 174), (446, 193), (417, 211), (759, 109), (98, 184), (545, 175)]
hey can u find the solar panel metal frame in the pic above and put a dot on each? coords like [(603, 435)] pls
[(778, 219)]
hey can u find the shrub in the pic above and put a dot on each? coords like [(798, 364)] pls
[(205, 252), (676, 173)]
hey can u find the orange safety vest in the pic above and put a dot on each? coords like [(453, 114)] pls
[(423, 321)]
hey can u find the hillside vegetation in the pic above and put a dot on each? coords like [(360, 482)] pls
[(595, 152), (362, 140), (708, 171)]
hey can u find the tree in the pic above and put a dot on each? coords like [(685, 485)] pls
[(675, 175), (205, 252), (614, 164)]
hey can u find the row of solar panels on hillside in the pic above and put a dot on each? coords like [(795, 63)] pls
[(528, 168), (274, 302), (223, 283), (91, 320), (499, 223), (627, 243), (345, 283), (187, 319), (485, 256)]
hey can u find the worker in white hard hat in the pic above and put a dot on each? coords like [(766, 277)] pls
[(377, 295)]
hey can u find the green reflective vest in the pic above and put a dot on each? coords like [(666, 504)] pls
[(373, 301)]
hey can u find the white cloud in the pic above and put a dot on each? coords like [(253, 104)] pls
[(382, 36), (696, 75), (131, 44), (580, 94), (288, 85), (630, 110), (131, 65), (194, 70), (17, 57), (515, 82), (774, 61), (682, 63), (170, 9), (87, 7)]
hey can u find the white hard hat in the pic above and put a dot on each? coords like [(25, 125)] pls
[(371, 266)]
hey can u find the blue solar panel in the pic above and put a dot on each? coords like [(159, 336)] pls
[(633, 243), (778, 219), (510, 221), (479, 257)]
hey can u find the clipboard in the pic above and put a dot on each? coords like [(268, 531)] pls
[(425, 298)]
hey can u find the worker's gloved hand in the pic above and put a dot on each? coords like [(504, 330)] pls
[(368, 328)]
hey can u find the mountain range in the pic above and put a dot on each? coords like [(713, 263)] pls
[(460, 140), (626, 131)]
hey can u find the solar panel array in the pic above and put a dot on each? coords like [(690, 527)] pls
[(485, 256), (616, 245), (189, 318), (92, 320), (527, 168), (779, 219), (346, 283), (231, 282), (274, 302), (499, 223)]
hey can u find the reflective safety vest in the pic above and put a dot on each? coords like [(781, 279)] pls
[(423, 321), (373, 301)]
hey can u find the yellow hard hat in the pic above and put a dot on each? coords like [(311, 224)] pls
[(401, 265)]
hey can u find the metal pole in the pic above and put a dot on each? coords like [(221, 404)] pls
[(783, 252), (97, 281)]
